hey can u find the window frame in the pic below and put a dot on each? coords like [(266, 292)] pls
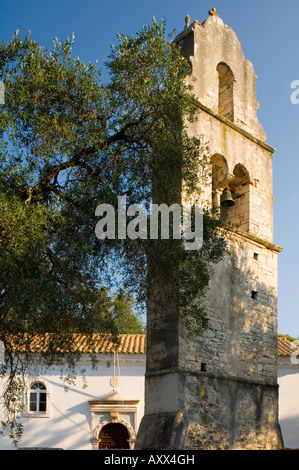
[(38, 391)]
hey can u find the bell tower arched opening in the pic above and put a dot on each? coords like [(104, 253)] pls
[(219, 173), (238, 214), (225, 91)]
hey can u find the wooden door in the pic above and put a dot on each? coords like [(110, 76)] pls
[(114, 436)]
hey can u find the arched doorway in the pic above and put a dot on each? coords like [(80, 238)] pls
[(114, 436)]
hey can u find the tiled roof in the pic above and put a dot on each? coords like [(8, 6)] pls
[(103, 344), (95, 343), (285, 347), (127, 344)]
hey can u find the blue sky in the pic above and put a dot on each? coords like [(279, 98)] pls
[(268, 31)]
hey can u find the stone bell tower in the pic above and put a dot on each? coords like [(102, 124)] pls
[(219, 390)]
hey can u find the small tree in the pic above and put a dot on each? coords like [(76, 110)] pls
[(127, 320)]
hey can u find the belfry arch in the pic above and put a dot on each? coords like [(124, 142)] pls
[(225, 91), (219, 179)]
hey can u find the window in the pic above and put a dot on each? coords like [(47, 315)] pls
[(37, 398), (37, 403)]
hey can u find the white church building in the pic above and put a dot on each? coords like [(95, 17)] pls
[(103, 407)]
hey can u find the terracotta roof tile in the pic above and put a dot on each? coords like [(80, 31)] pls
[(103, 344), (127, 344)]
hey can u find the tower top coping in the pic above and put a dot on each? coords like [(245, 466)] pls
[(212, 17), (209, 44)]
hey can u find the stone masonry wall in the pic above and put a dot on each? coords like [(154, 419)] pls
[(240, 340), (226, 415)]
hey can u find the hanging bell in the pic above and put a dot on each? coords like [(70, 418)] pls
[(226, 199)]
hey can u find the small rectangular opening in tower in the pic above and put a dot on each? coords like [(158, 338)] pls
[(256, 256), (254, 295)]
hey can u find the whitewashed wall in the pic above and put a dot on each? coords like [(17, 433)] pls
[(68, 425), (288, 380)]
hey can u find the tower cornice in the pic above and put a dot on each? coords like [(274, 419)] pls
[(234, 126)]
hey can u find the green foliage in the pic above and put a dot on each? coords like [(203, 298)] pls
[(126, 319), (288, 337), (70, 142)]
